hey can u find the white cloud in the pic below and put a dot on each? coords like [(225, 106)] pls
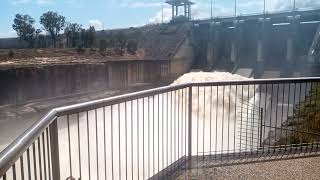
[(70, 1), (45, 1), (8, 34), (308, 3), (98, 25), (19, 1), (277, 5), (158, 17), (41, 2), (141, 4)]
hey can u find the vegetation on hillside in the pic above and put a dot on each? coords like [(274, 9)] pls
[(73, 36), (132, 46), (304, 125), (53, 23), (24, 26), (157, 41)]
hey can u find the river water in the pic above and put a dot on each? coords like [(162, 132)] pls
[(139, 138)]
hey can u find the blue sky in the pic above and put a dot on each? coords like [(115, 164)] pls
[(126, 13)]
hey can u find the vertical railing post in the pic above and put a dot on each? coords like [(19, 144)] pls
[(261, 124), (190, 125), (54, 144)]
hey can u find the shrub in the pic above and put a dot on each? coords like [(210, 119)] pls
[(305, 121), (132, 46), (102, 45), (11, 54), (121, 42), (118, 51), (80, 49)]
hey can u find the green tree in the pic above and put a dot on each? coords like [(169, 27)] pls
[(68, 34), (103, 45), (83, 38), (121, 42), (24, 26), (53, 23), (75, 34), (42, 41), (37, 39), (72, 32), (91, 36), (132, 46)]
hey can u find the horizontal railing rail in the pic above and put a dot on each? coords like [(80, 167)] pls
[(267, 14), (39, 146)]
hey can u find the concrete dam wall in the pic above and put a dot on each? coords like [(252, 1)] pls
[(168, 54), (250, 41), (29, 83), (23, 84)]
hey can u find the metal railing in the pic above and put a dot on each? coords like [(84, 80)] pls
[(271, 14), (153, 133)]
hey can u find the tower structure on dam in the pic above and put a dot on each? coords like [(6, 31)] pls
[(175, 4)]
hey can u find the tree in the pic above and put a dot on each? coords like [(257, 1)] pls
[(121, 42), (83, 38), (42, 41), (37, 39), (91, 35), (132, 46), (75, 34), (72, 33), (23, 25), (53, 23), (103, 45), (67, 33)]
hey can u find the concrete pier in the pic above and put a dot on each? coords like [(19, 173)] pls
[(210, 46), (290, 50), (216, 41), (234, 52), (213, 44), (292, 38), (260, 51), (236, 41), (261, 41)]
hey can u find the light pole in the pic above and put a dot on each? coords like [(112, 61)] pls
[(211, 9), (294, 5), (235, 8), (264, 6), (162, 12)]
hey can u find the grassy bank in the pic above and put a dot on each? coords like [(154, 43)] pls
[(304, 125)]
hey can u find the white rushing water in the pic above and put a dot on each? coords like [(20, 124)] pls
[(153, 132), (139, 138), (224, 117)]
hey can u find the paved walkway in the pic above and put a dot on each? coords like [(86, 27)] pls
[(293, 169)]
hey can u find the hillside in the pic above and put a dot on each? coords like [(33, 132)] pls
[(155, 42), (158, 41)]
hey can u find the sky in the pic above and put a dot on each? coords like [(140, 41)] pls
[(111, 14)]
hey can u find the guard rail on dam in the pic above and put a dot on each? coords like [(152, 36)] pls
[(276, 16), (153, 133)]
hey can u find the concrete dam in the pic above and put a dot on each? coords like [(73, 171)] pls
[(267, 42)]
